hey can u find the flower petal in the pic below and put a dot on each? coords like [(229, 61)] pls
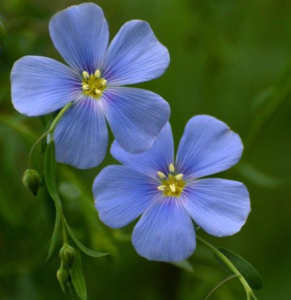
[(135, 55), (165, 232), (80, 33), (207, 147), (81, 136), (42, 85), (155, 159), (121, 195), (135, 116), (218, 206)]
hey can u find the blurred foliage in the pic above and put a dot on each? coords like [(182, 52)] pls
[(228, 59)]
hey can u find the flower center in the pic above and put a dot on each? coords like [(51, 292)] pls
[(93, 84), (173, 184)]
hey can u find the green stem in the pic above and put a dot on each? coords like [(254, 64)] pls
[(220, 285), (230, 265), (64, 229), (33, 147), (58, 117), (50, 131)]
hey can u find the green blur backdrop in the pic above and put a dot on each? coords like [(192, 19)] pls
[(230, 59)]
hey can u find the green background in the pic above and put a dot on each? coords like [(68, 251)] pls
[(226, 58)]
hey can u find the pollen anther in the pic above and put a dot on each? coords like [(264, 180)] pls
[(171, 168), (161, 188), (86, 75), (172, 185), (97, 73), (103, 82), (85, 87), (179, 176), (93, 84), (161, 175), (173, 188)]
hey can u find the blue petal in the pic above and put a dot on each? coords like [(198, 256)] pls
[(135, 55), (157, 158), (42, 85), (80, 33), (165, 232), (121, 195), (135, 116), (207, 147), (218, 206), (81, 135)]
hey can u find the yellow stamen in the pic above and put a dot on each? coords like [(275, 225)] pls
[(93, 84), (173, 188), (161, 175), (172, 185), (97, 73), (179, 176), (103, 82), (161, 188), (171, 168), (86, 75)]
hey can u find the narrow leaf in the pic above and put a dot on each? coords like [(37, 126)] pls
[(55, 235), (42, 182), (258, 177), (2, 32), (50, 182), (82, 247), (250, 274), (77, 277)]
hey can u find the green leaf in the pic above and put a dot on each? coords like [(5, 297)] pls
[(2, 31), (55, 235), (249, 273), (42, 182), (82, 247), (184, 265), (262, 98), (77, 277), (50, 173), (258, 177)]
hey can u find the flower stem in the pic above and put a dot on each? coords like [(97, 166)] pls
[(220, 285), (50, 131), (230, 265), (64, 229), (33, 147), (58, 117)]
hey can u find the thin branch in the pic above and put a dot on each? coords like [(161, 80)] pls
[(221, 284)]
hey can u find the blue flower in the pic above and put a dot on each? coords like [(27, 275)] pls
[(168, 194), (94, 81)]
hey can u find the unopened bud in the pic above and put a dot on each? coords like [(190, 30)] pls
[(31, 180), (67, 255), (63, 278)]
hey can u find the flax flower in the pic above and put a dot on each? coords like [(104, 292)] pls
[(94, 83), (168, 194)]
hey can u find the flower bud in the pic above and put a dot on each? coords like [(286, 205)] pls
[(63, 278), (67, 255), (31, 180)]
